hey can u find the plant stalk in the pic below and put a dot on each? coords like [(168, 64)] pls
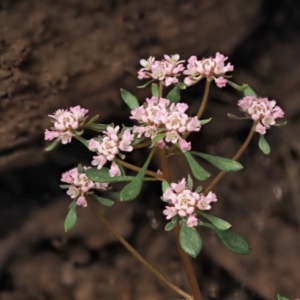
[(236, 157), (137, 169), (204, 99), (135, 253), (185, 259)]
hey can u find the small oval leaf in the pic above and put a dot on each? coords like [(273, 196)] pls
[(165, 185), (71, 218), (222, 163), (219, 223), (133, 188), (155, 90), (103, 201), (231, 240), (129, 99), (249, 92), (197, 170), (53, 145), (170, 226), (263, 145), (174, 95), (190, 240)]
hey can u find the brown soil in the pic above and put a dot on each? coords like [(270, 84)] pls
[(54, 54)]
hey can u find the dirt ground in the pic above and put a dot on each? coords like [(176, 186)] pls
[(57, 54)]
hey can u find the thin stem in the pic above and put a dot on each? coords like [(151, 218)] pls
[(200, 111), (161, 87), (185, 259), (204, 99), (142, 145), (137, 169), (236, 157), (135, 253)]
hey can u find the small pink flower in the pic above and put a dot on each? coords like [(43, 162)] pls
[(50, 135), (184, 145), (99, 161), (114, 170), (220, 82), (260, 129), (170, 212), (81, 201), (192, 221)]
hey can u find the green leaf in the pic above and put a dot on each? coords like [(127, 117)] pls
[(133, 188), (82, 140), (249, 92), (190, 240), (280, 123), (114, 195), (236, 118), (157, 138), (171, 225), (155, 90), (129, 99), (224, 164), (102, 175), (281, 298), (219, 223), (96, 127), (181, 85), (197, 170), (80, 169), (190, 182), (71, 218), (136, 140), (53, 145), (231, 240), (174, 95), (203, 122), (165, 185), (198, 189), (240, 88), (92, 120), (263, 145), (144, 85), (103, 201), (64, 186)]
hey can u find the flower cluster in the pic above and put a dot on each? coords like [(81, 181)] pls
[(66, 122), (165, 70), (159, 116), (109, 145), (79, 185), (183, 202), (262, 110), (211, 68)]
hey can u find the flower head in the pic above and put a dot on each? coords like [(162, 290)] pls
[(210, 68), (184, 203), (109, 146), (166, 70), (66, 122), (80, 185), (159, 116), (263, 111)]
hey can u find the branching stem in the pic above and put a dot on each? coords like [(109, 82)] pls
[(236, 157), (185, 259), (137, 169), (135, 253)]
